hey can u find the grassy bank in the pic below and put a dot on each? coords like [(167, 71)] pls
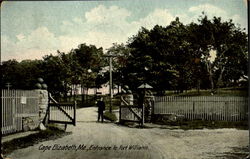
[(50, 133), (229, 91), (200, 124), (110, 116)]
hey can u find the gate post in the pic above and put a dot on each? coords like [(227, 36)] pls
[(142, 119), (153, 109), (74, 113), (120, 114)]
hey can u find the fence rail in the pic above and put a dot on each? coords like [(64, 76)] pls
[(16, 104), (203, 107)]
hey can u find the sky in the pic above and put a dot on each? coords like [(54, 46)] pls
[(33, 29)]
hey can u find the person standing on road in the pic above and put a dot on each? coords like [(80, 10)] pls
[(101, 108)]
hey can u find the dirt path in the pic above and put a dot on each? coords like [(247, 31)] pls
[(115, 141)]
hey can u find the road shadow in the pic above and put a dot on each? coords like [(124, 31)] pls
[(104, 122)]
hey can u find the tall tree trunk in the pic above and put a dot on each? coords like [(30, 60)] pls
[(82, 91), (71, 90), (198, 85), (65, 92), (209, 69), (219, 82), (74, 91), (118, 89), (87, 93)]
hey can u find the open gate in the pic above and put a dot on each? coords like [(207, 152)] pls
[(130, 112), (61, 113)]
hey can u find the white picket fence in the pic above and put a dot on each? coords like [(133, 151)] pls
[(203, 107), (16, 104)]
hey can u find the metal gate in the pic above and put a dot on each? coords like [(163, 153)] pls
[(61, 112), (17, 105)]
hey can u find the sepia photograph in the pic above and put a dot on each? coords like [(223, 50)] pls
[(124, 79)]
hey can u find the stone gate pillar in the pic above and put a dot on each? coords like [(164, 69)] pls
[(43, 102), (148, 104)]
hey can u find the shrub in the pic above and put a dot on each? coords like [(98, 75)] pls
[(110, 116)]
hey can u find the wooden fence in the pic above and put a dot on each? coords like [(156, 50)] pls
[(16, 104), (203, 107)]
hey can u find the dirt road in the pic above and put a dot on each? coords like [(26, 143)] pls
[(90, 140)]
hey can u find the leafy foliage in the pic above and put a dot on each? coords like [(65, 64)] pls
[(173, 57)]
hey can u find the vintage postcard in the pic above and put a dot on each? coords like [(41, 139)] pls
[(124, 79)]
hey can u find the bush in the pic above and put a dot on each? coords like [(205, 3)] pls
[(110, 116)]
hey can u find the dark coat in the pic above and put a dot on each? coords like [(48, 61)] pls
[(101, 106)]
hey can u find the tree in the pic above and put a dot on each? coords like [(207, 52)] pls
[(164, 51), (31, 71), (53, 74), (179, 56), (21, 75), (173, 57), (228, 42), (88, 58), (10, 72), (119, 62)]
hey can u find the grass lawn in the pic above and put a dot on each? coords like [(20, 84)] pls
[(230, 91), (200, 124)]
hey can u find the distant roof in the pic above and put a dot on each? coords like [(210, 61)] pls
[(145, 86)]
